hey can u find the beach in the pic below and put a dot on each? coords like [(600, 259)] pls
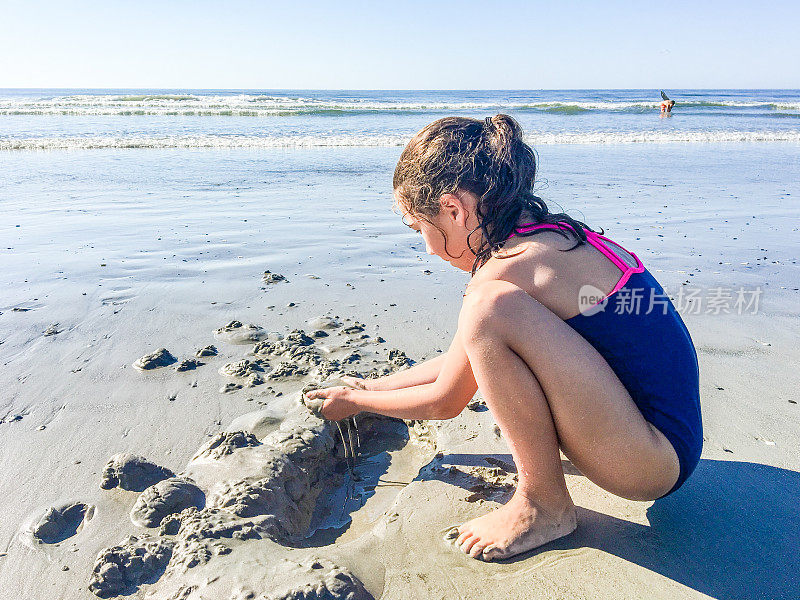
[(112, 252)]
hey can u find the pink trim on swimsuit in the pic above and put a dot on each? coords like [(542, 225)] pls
[(595, 240)]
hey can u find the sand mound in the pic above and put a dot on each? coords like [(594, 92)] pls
[(237, 333), (135, 560), (159, 358), (164, 498), (132, 473), (261, 479)]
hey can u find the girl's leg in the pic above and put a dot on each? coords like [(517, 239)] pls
[(547, 388)]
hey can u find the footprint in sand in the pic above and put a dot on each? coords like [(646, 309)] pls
[(55, 524)]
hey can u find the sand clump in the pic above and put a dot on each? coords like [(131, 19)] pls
[(255, 489), (235, 487), (286, 370), (327, 369), (131, 472), (323, 323), (354, 328), (236, 332), (209, 350), (224, 443), (188, 364), (159, 358), (163, 498), (122, 567), (243, 368), (283, 496), (297, 346), (269, 277), (52, 330), (314, 579), (398, 359)]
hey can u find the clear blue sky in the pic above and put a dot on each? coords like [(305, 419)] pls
[(402, 44)]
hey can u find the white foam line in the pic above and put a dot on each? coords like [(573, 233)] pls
[(250, 104), (229, 142)]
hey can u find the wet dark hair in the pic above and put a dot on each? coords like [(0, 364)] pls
[(489, 159)]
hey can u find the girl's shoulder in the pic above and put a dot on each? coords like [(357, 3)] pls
[(531, 264), (544, 267)]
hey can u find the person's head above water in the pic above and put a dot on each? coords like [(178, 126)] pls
[(466, 184)]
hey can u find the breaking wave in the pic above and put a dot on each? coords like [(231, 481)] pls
[(299, 141), (254, 105)]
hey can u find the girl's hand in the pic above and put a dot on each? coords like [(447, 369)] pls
[(337, 404)]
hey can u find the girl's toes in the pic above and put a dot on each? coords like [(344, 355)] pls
[(490, 553), (477, 549), (467, 546), (463, 536)]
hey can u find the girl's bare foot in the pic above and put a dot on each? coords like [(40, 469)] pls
[(516, 527)]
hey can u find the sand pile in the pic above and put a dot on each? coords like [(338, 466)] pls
[(272, 476)]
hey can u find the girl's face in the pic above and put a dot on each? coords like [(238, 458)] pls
[(445, 236)]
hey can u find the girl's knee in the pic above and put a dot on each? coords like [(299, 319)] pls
[(489, 307)]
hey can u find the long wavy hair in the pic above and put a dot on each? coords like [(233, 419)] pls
[(489, 159)]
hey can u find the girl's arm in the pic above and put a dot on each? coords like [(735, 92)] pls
[(425, 372), (443, 398)]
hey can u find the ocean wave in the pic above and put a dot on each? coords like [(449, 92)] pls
[(249, 141), (250, 105)]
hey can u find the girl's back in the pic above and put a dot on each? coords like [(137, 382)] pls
[(538, 265)]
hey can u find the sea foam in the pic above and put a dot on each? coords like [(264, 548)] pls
[(253, 105), (310, 141)]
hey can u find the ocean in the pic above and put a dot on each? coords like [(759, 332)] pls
[(96, 118), (182, 188)]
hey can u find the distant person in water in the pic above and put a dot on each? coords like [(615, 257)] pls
[(666, 104)]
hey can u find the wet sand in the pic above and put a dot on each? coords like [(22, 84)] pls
[(225, 486)]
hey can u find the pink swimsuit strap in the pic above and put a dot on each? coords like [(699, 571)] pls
[(598, 241)]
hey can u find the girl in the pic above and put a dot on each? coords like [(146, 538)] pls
[(613, 387)]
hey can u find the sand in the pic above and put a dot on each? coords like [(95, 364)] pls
[(127, 470)]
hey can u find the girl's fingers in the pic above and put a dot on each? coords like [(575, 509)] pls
[(355, 382)]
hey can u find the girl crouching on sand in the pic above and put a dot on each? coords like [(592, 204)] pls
[(614, 387)]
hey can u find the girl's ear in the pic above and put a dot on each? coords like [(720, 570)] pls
[(454, 208)]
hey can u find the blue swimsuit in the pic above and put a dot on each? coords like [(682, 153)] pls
[(645, 342)]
